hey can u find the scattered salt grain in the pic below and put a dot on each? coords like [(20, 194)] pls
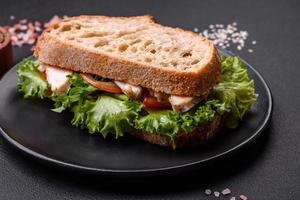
[(23, 21), (31, 41), (217, 194), (12, 17), (225, 36), (24, 32), (243, 197), (226, 191), (208, 192), (23, 28), (196, 30), (250, 50), (38, 29)]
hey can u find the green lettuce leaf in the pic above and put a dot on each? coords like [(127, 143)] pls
[(235, 89), (204, 113), (78, 93), (159, 122), (106, 115), (30, 82), (170, 123)]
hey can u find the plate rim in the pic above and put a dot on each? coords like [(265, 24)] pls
[(95, 170)]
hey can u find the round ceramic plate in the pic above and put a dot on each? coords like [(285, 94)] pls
[(32, 127)]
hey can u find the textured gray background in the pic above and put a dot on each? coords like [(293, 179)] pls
[(269, 169)]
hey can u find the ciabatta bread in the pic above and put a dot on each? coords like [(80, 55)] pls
[(135, 50)]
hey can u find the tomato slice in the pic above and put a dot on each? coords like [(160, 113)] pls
[(43, 75), (105, 86), (151, 103)]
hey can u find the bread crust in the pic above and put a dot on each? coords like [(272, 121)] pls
[(200, 135), (55, 52)]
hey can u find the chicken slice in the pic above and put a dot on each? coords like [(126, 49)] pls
[(58, 79), (183, 104), (132, 91)]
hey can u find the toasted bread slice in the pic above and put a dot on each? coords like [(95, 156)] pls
[(200, 135), (135, 50)]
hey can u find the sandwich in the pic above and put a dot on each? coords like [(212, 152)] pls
[(132, 76)]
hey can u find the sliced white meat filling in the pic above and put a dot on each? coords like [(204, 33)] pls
[(183, 104), (178, 103), (58, 79), (132, 91)]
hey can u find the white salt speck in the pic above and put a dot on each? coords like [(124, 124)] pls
[(243, 197), (250, 50), (226, 191), (217, 194), (227, 35), (24, 32), (208, 192), (232, 198), (196, 29), (23, 27)]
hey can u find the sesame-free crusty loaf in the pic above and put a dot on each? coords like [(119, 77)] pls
[(199, 136), (135, 50)]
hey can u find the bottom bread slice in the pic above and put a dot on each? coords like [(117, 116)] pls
[(200, 135)]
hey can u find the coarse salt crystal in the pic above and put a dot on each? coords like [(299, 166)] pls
[(243, 197), (31, 41), (196, 29), (12, 17), (208, 192), (217, 194), (20, 36), (225, 35), (23, 28), (23, 21), (38, 29), (25, 32), (26, 37), (226, 191)]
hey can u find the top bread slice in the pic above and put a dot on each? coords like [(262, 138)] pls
[(135, 50)]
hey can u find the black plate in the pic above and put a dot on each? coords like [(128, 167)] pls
[(32, 127)]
